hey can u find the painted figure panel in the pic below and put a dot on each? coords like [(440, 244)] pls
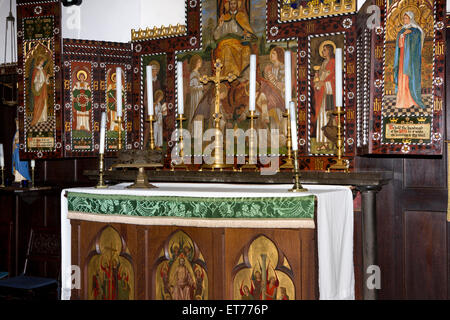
[(267, 276), (408, 71), (181, 270), (110, 269)]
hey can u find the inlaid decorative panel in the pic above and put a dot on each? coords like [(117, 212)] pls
[(408, 52), (39, 69), (85, 101)]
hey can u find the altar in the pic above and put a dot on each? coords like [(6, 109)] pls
[(207, 241)]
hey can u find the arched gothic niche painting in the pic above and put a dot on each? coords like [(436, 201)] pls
[(110, 268), (180, 270), (261, 264)]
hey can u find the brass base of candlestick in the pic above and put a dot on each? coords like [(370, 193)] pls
[(141, 181), (297, 185), (101, 184), (249, 166), (340, 164), (288, 164)]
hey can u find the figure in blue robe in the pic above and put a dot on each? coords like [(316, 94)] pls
[(408, 63), (20, 169)]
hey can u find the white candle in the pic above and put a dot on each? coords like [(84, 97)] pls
[(287, 78), (180, 87), (33, 163), (338, 75), (293, 116), (2, 156), (119, 91), (102, 133), (252, 93), (150, 90)]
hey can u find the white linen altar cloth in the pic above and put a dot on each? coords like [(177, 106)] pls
[(334, 226)]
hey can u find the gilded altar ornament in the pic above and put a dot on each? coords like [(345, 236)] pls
[(315, 9), (155, 32), (218, 148)]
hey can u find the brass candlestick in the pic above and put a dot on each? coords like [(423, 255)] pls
[(181, 165), (151, 119), (297, 185), (3, 177), (251, 145), (119, 122), (101, 184), (340, 164), (288, 164)]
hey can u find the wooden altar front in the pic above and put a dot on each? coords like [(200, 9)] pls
[(231, 239)]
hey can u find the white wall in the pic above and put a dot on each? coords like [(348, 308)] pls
[(111, 20)]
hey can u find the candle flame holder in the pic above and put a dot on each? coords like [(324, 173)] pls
[(151, 119)]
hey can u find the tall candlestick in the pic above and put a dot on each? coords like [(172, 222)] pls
[(338, 75), (252, 89), (119, 91), (180, 87), (293, 115), (2, 156), (102, 133), (33, 163), (287, 78), (150, 110)]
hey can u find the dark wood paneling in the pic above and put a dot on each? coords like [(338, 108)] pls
[(424, 173), (425, 242)]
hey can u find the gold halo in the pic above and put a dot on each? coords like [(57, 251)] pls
[(113, 77), (325, 43), (155, 63), (80, 73), (414, 9)]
